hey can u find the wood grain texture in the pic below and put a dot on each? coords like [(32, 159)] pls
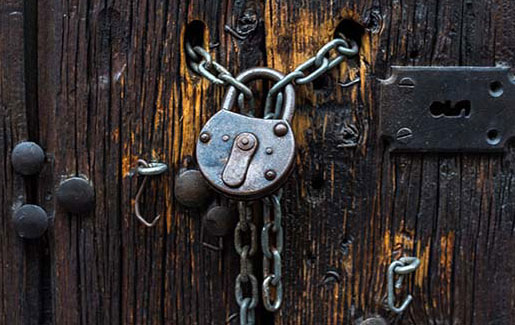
[(453, 211), (115, 87), (100, 84)]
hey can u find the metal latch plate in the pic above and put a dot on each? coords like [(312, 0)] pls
[(452, 109)]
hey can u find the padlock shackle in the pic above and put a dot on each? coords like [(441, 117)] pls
[(263, 73)]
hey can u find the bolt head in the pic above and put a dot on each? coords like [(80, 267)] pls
[(404, 135), (76, 195), (191, 189), (270, 175), (30, 221), (205, 137), (27, 158), (280, 129), (219, 220)]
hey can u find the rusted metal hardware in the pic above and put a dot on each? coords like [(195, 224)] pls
[(403, 266), (248, 158), (245, 228), (244, 157), (30, 221), (453, 109), (27, 158), (146, 169), (76, 195), (191, 189)]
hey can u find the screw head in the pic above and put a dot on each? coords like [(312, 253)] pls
[(407, 83), (205, 137), (225, 138), (27, 158), (270, 174), (76, 195), (269, 151), (30, 221), (404, 135), (280, 129)]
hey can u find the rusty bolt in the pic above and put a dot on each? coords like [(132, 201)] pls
[(205, 137), (280, 129)]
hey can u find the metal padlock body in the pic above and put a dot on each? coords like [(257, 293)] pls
[(274, 152)]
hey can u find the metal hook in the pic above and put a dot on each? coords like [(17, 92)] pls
[(403, 266), (147, 169)]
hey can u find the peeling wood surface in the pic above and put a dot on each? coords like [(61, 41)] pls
[(100, 84)]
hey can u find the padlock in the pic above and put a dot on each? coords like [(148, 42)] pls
[(244, 157)]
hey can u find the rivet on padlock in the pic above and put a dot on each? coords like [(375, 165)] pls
[(260, 156), (191, 189), (219, 220)]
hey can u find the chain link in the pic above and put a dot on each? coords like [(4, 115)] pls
[(246, 276), (319, 64), (272, 252), (203, 64)]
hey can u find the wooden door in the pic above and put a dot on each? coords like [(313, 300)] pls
[(101, 84)]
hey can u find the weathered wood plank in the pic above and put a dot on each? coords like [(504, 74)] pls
[(351, 211), (115, 87), (24, 263)]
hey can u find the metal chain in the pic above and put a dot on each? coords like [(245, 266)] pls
[(246, 276), (318, 64), (203, 64), (272, 252)]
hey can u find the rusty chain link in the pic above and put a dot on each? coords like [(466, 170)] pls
[(246, 276), (272, 252)]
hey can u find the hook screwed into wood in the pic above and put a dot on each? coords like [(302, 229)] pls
[(146, 169)]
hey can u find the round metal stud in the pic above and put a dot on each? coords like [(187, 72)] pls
[(205, 137), (27, 158), (219, 220), (191, 189), (270, 175), (30, 221), (269, 151), (76, 195), (280, 129), (246, 141)]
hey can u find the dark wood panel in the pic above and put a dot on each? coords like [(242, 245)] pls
[(351, 211), (114, 87), (24, 280)]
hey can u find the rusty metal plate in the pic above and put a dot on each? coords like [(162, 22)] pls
[(448, 109)]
